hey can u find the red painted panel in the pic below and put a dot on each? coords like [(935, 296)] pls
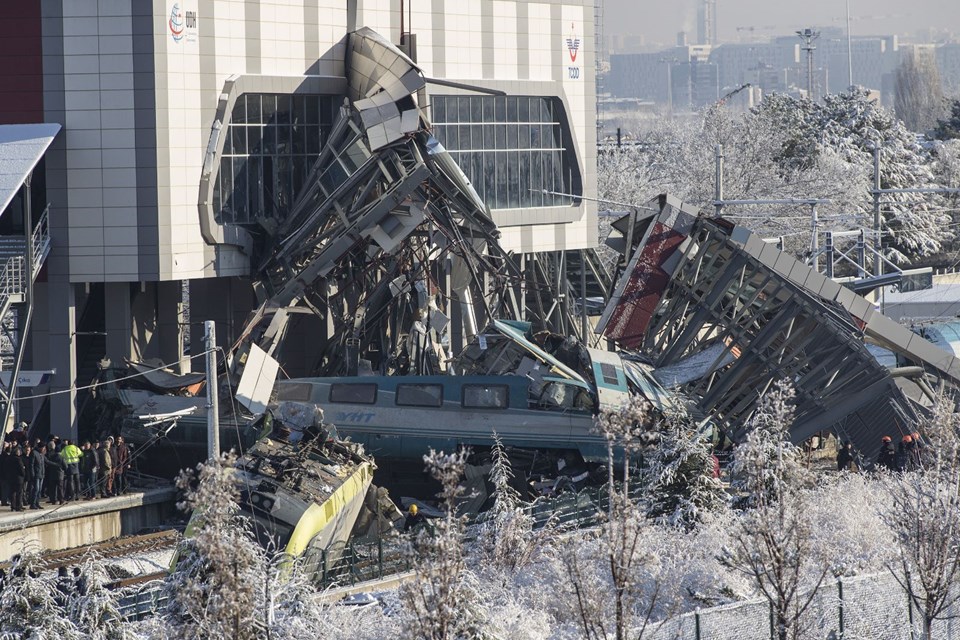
[(644, 288), (21, 64)]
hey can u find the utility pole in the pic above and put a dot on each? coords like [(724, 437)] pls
[(849, 51), (877, 262), (213, 390), (808, 36), (814, 241), (718, 181)]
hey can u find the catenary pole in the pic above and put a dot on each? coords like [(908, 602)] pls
[(213, 400)]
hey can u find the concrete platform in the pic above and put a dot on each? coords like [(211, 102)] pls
[(57, 527)]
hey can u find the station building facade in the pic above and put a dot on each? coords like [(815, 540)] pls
[(188, 123)]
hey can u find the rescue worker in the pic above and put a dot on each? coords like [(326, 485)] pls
[(71, 454), (845, 457), (887, 457), (5, 456), (905, 454), (414, 518)]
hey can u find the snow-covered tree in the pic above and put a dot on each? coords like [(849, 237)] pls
[(766, 465), (772, 540), (443, 601), (508, 528), (680, 486), (918, 97), (924, 516), (948, 127), (216, 590), (32, 603), (628, 428), (93, 607)]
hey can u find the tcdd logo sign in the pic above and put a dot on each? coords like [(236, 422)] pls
[(176, 22)]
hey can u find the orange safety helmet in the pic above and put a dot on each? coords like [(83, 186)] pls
[(908, 438), (886, 439), (916, 435)]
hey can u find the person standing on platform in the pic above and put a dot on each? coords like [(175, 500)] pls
[(38, 470), (88, 471), (121, 466), (106, 468), (5, 456), (55, 471), (16, 474), (71, 454)]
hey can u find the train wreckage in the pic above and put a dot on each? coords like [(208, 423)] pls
[(425, 333)]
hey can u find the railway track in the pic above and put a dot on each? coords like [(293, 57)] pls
[(110, 549)]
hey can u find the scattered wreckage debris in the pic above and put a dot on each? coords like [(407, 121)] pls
[(721, 314)]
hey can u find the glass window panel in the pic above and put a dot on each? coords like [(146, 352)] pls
[(476, 109), (501, 135), (254, 113), (488, 136), (535, 115), (217, 198), (487, 102), (502, 178), (239, 113), (255, 184), (476, 136), (283, 139), (239, 199), (523, 110), (511, 109), (311, 106), (238, 136), (513, 183), (452, 112), (500, 109), (299, 141), (513, 136), (419, 395), (476, 174), (268, 108), (488, 173), (536, 140), (269, 144), (228, 140), (297, 114), (353, 393), (524, 131), (523, 175), (283, 109), (463, 108), (439, 109), (453, 139), (536, 179), (300, 164), (255, 140), (481, 396)]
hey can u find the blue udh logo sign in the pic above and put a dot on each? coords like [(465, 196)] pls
[(176, 22)]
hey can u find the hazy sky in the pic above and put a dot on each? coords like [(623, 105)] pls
[(660, 20)]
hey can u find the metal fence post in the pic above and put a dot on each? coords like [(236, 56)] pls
[(696, 623), (380, 554), (323, 566), (840, 597)]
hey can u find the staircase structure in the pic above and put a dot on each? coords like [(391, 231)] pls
[(22, 255)]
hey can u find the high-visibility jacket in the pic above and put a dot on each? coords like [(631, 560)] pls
[(71, 454)]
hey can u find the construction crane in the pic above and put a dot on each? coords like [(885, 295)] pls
[(730, 94)]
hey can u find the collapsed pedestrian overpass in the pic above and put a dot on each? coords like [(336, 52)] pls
[(722, 314)]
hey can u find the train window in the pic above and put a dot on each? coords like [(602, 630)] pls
[(485, 396), (420, 395), (353, 393), (294, 391), (609, 373)]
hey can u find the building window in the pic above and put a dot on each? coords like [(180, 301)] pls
[(420, 395), (485, 396), (510, 147), (353, 393), (271, 143)]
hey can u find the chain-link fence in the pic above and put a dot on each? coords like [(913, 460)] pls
[(872, 607)]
